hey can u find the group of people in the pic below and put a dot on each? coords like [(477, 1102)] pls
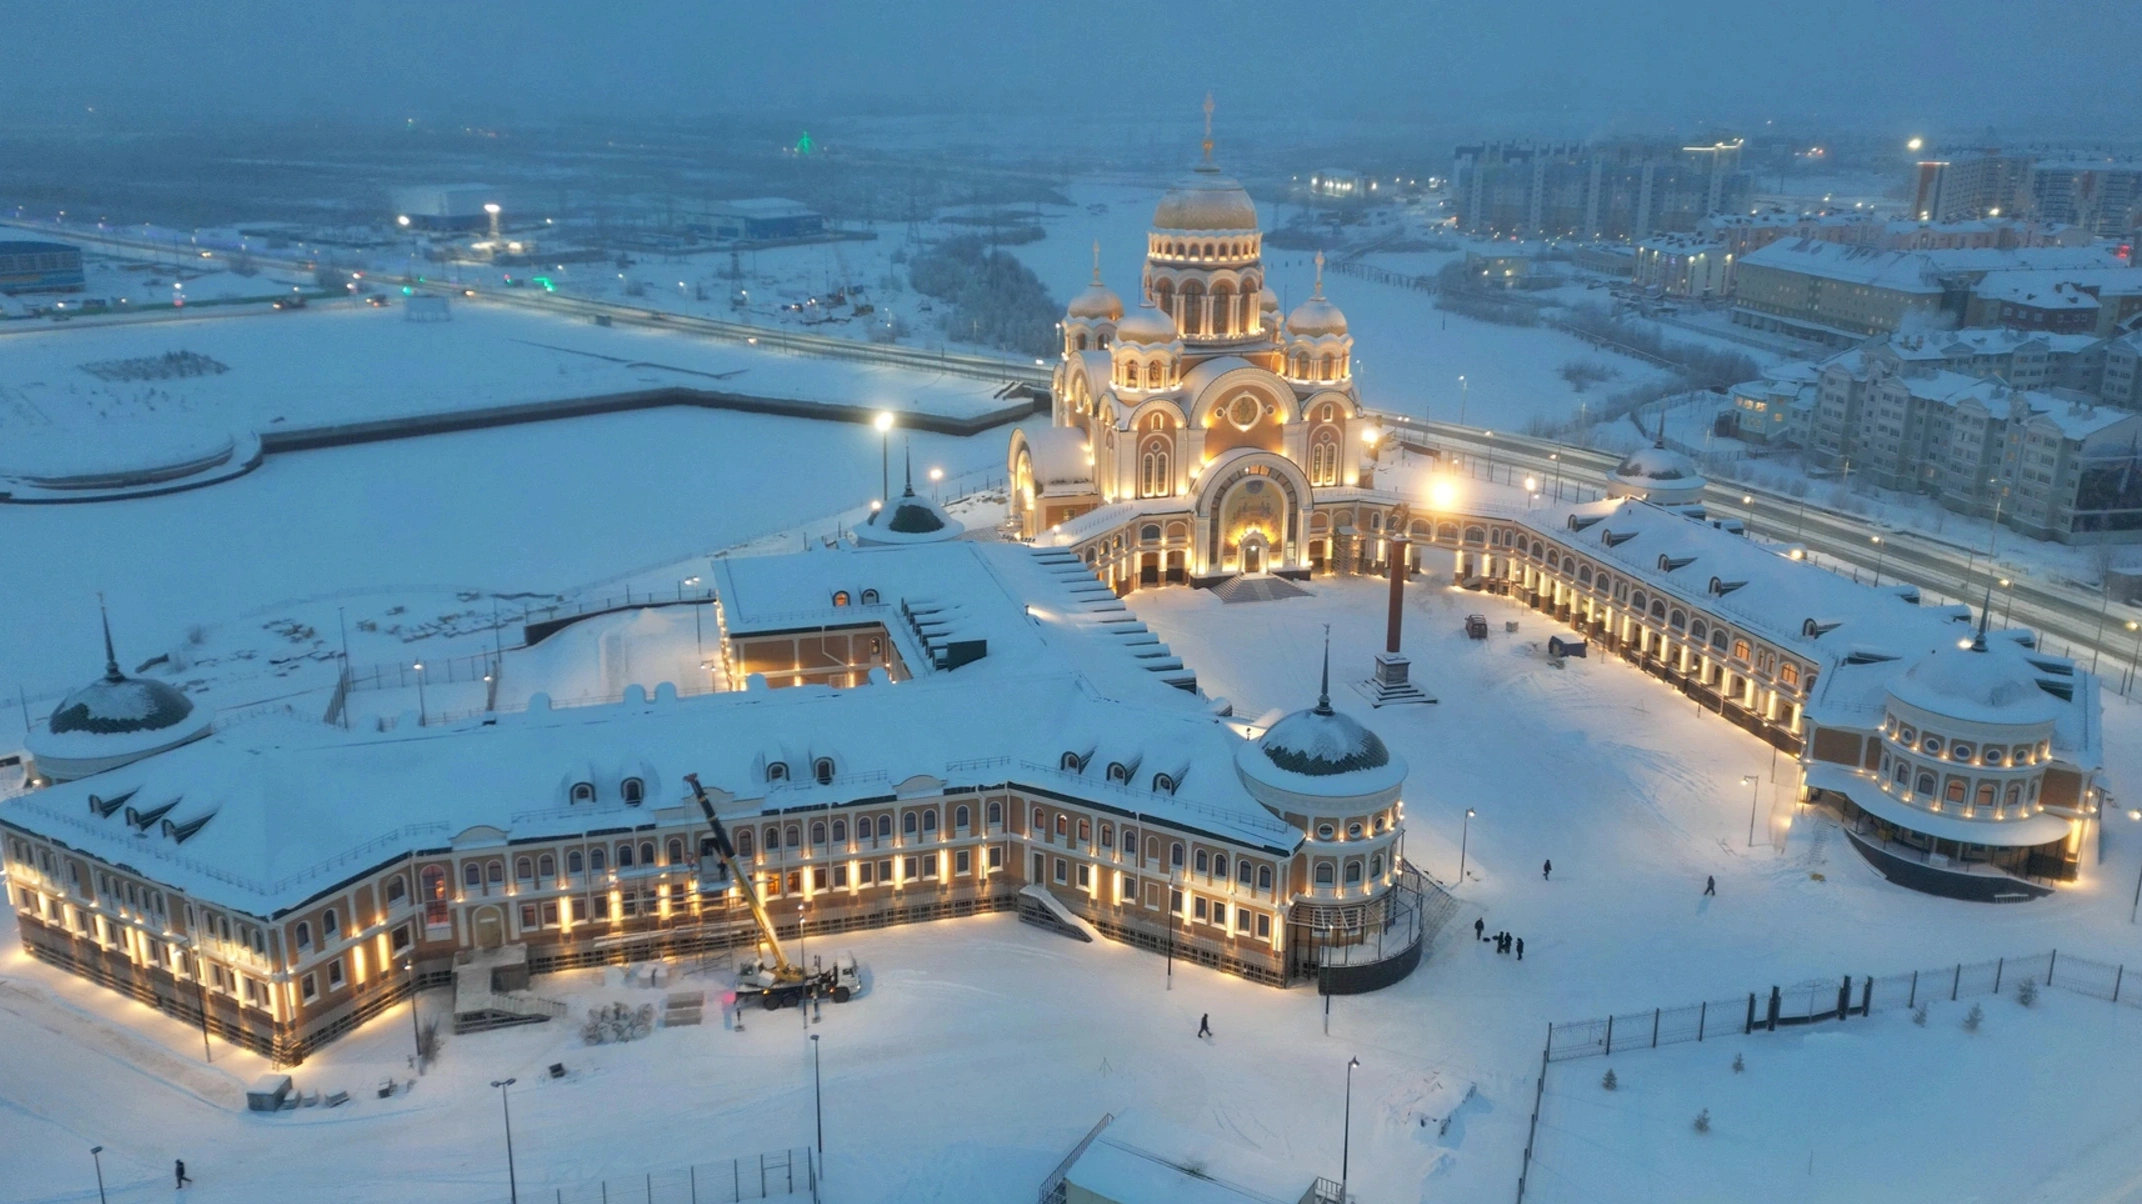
[(1504, 942)]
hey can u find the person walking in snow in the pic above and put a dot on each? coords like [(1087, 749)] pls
[(1546, 870), (179, 1171), (1520, 948), (1480, 930), (1710, 884), (1204, 1025)]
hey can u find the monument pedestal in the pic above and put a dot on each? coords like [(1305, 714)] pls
[(1393, 682)]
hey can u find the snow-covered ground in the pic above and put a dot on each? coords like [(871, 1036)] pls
[(2038, 1104), (436, 526), (986, 1048)]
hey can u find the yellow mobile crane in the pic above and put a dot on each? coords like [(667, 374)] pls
[(777, 981)]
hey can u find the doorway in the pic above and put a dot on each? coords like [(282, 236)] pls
[(490, 929)]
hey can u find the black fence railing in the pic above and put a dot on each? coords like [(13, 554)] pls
[(782, 1175)]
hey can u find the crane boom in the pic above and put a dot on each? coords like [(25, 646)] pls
[(784, 971)]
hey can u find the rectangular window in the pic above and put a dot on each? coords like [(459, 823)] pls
[(1219, 913), (795, 882), (402, 938), (334, 974), (1152, 895), (962, 863), (550, 914), (840, 876), (1062, 870), (580, 910), (1175, 901), (818, 878), (885, 871), (996, 858), (1085, 875), (528, 915), (629, 903), (908, 870), (310, 987), (929, 865), (1264, 927), (1241, 920), (863, 872), (1197, 907), (602, 907)]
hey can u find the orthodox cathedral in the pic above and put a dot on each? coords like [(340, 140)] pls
[(1198, 436)]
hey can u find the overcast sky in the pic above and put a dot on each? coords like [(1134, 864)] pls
[(2027, 67)]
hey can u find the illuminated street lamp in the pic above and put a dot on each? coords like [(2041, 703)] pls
[(1881, 550), (884, 423), (420, 694), (513, 1188), (1465, 833), (1461, 401)]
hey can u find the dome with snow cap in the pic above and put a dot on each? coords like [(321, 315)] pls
[(1657, 474), (1267, 300), (1098, 302), (1314, 317), (1976, 686), (909, 519), (1206, 200), (1321, 754), (1147, 324), (113, 721)]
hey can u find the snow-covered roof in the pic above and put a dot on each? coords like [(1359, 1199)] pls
[(1991, 683), (2031, 291), (293, 809), (1061, 456), (1659, 468), (910, 518), (1898, 271), (1146, 324)]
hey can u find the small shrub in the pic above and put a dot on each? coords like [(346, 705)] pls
[(1703, 1121), (1739, 1064), (1973, 1018), (1918, 1015), (1608, 1080), (2027, 992)]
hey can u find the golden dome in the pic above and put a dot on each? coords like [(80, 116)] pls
[(1206, 200)]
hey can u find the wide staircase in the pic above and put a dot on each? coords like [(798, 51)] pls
[(490, 991), (1257, 588)]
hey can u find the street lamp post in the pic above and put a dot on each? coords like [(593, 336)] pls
[(416, 1030), (1881, 550), (94, 1152), (1461, 401), (2132, 656), (1747, 505), (1465, 833), (818, 1108), (1557, 458), (1346, 1134), (420, 708), (884, 423), (1755, 791), (513, 1185)]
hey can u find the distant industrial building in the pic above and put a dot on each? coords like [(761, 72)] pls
[(446, 208), (40, 267), (1622, 190), (764, 219)]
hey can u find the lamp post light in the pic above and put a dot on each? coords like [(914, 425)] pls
[(1754, 784), (1346, 1134), (1461, 401), (1557, 458), (1465, 834), (937, 478), (1747, 505), (2008, 607), (1881, 550), (1532, 491), (513, 1186), (884, 423), (420, 708), (94, 1156)]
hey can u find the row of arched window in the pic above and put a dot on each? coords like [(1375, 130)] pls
[(1117, 773), (1329, 366), (1954, 790), (914, 825), (632, 791), (1223, 313), (1156, 373), (822, 771), (1175, 248)]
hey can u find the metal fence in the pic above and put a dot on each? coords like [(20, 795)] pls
[(784, 1174), (1834, 999)]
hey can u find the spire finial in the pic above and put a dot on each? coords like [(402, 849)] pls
[(1985, 612), (111, 658), (1096, 261), (1323, 691), (1319, 294), (1208, 127), (1661, 440)]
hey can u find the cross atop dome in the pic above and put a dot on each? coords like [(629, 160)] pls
[(1319, 293), (1208, 130)]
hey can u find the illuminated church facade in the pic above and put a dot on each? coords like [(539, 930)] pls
[(1197, 435)]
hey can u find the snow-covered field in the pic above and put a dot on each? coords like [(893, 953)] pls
[(986, 1048), (418, 524), (2038, 1104)]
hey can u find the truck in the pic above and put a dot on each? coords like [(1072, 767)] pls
[(768, 975)]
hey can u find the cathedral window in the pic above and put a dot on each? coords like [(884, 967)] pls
[(1323, 367), (1082, 342), (1193, 307), (1331, 412), (1130, 374)]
